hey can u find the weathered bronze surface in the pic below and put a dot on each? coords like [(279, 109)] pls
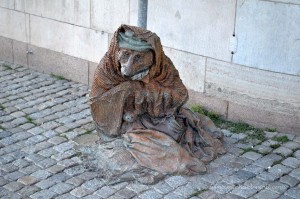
[(137, 103)]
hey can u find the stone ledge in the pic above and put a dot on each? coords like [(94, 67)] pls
[(52, 62)]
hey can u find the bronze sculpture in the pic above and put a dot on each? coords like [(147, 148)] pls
[(137, 103)]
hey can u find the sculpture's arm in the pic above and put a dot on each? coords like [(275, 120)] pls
[(166, 93)]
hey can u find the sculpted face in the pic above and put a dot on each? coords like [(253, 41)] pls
[(135, 65)]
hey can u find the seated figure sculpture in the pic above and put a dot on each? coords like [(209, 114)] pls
[(137, 102)]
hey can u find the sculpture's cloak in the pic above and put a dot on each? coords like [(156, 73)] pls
[(166, 136)]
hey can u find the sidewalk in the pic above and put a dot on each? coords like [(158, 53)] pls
[(44, 118)]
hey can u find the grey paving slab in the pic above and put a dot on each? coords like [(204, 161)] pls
[(42, 117)]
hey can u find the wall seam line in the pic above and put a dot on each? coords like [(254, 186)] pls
[(234, 27), (279, 2), (12, 50), (90, 14), (88, 83), (205, 66)]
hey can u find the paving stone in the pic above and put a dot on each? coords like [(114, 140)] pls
[(224, 171), (283, 151), (8, 140), (291, 162), (45, 194), (37, 147), (18, 154), (250, 187), (222, 187), (297, 139), (45, 184), (50, 134), (8, 168), (176, 181), (14, 176), (292, 145), (47, 152), (36, 130), (173, 196), (115, 197), (29, 169), (75, 181), (80, 192), (293, 192), (278, 187), (93, 184), (105, 192), (46, 163), (90, 175), (27, 126), (57, 140), (59, 177), (239, 177), (5, 134), (61, 129), (63, 147), (55, 169), (150, 194), (50, 125), (66, 196), (267, 176), (75, 170), (27, 191), (243, 161), (269, 143), (14, 148), (3, 181), (92, 196), (126, 193), (3, 192), (266, 194), (19, 121), (162, 187), (138, 188), (267, 160), (208, 194), (279, 170), (285, 197), (254, 169), (63, 155), (230, 196), (297, 154), (252, 155), (119, 186), (61, 188), (34, 157), (289, 180), (41, 174), (18, 114), (27, 180), (13, 186), (11, 195), (211, 178), (295, 173)]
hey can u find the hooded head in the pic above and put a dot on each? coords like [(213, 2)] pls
[(135, 56), (139, 41)]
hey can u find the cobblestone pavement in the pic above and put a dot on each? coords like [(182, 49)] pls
[(42, 117)]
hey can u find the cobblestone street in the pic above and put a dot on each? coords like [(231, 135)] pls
[(43, 118)]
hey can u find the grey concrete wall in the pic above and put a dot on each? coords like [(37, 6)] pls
[(239, 58)]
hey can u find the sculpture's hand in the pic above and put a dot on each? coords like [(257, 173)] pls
[(129, 117), (158, 100)]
